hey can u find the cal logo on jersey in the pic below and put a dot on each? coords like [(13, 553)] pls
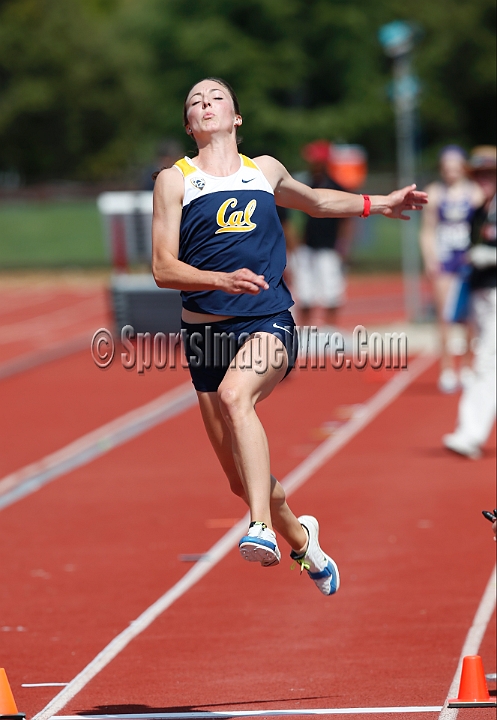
[(237, 221), (199, 183)]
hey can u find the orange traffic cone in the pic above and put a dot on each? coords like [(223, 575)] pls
[(473, 690), (8, 708)]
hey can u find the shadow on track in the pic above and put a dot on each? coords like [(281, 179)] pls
[(136, 709)]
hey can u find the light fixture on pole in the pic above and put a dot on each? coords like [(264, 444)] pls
[(398, 39)]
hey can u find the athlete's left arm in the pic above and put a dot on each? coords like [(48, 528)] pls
[(319, 202)]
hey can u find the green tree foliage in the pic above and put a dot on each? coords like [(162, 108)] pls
[(73, 95), (87, 86)]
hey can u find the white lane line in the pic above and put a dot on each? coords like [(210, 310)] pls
[(27, 480), (48, 684), (472, 643), (360, 419), (252, 713), (19, 300), (54, 320), (28, 297), (220, 549), (42, 355)]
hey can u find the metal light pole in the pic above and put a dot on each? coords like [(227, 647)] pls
[(397, 39)]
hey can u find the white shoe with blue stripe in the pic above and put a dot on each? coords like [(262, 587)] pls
[(320, 567), (259, 545)]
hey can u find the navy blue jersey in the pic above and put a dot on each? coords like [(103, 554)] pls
[(230, 223)]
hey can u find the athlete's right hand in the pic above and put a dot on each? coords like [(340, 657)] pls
[(243, 281)]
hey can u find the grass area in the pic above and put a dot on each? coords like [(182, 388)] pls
[(57, 234), (377, 244), (51, 234)]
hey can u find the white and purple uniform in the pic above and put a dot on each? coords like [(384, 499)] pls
[(454, 232)]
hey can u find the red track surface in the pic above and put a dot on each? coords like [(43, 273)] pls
[(34, 318), (89, 552)]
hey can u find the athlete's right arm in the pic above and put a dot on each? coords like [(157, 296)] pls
[(168, 271)]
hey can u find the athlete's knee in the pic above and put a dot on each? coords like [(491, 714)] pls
[(229, 400), (232, 402)]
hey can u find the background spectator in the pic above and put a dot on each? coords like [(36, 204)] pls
[(445, 239), (476, 413), (317, 263)]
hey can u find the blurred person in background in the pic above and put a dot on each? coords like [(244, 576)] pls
[(317, 263), (445, 239), (476, 413)]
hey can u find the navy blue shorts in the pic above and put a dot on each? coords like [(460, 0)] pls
[(211, 347)]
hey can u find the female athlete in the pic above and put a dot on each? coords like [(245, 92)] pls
[(445, 240), (217, 238)]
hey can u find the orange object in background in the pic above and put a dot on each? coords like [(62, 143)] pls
[(347, 165), (8, 707)]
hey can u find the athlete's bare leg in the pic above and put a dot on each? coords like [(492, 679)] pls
[(240, 442), (441, 288)]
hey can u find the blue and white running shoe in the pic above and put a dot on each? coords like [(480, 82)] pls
[(259, 545), (320, 567)]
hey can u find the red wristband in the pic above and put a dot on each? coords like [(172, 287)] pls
[(367, 206)]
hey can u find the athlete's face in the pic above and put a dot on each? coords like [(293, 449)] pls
[(209, 108), (452, 167)]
